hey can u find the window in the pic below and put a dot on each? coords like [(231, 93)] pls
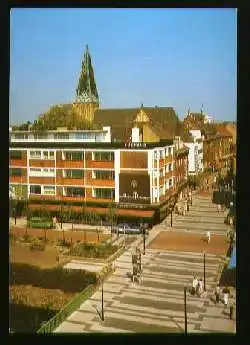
[(81, 136), (161, 154), (76, 173), (38, 136), (20, 136), (103, 156), (161, 172), (161, 191), (170, 166), (169, 151), (35, 172), (15, 172), (48, 155), (35, 154), (48, 172), (170, 182), (49, 190), (73, 156), (166, 152), (35, 189), (73, 191), (61, 136), (104, 175), (15, 154), (104, 193)]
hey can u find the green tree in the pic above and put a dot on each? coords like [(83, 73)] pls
[(111, 217)]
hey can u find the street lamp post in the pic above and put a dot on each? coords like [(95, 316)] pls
[(15, 214), (144, 240), (27, 217), (61, 216), (185, 308), (204, 270), (102, 305)]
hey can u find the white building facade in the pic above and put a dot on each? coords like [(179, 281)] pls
[(195, 155)]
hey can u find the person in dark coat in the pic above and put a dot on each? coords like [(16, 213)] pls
[(231, 310), (217, 294)]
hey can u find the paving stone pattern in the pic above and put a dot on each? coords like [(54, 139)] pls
[(201, 217), (156, 305)]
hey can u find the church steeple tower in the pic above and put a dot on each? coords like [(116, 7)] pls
[(87, 99), (86, 91)]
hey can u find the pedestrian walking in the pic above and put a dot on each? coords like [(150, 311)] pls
[(219, 208), (194, 286), (201, 288), (135, 272), (208, 236), (231, 311), (225, 297), (217, 294)]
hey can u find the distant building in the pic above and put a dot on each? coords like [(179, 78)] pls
[(218, 155), (195, 155), (208, 119)]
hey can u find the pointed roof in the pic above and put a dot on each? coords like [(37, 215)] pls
[(86, 91)]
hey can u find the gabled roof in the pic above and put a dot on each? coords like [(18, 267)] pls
[(115, 117), (121, 117), (222, 129), (162, 120)]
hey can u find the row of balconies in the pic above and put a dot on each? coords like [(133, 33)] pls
[(61, 181), (62, 164)]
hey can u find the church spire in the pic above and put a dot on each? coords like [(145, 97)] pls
[(86, 91)]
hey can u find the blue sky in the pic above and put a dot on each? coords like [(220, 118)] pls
[(178, 58)]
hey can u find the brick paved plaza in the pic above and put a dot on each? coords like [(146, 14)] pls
[(190, 242), (157, 304)]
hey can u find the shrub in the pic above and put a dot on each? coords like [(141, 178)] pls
[(93, 250), (63, 243), (37, 245), (27, 238)]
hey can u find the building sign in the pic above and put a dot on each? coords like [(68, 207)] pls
[(131, 145), (134, 187)]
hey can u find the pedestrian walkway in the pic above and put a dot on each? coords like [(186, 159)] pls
[(201, 217), (157, 304)]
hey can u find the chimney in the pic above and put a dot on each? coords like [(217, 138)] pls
[(135, 135), (108, 134)]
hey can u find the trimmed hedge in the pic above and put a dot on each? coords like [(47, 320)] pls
[(89, 250)]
